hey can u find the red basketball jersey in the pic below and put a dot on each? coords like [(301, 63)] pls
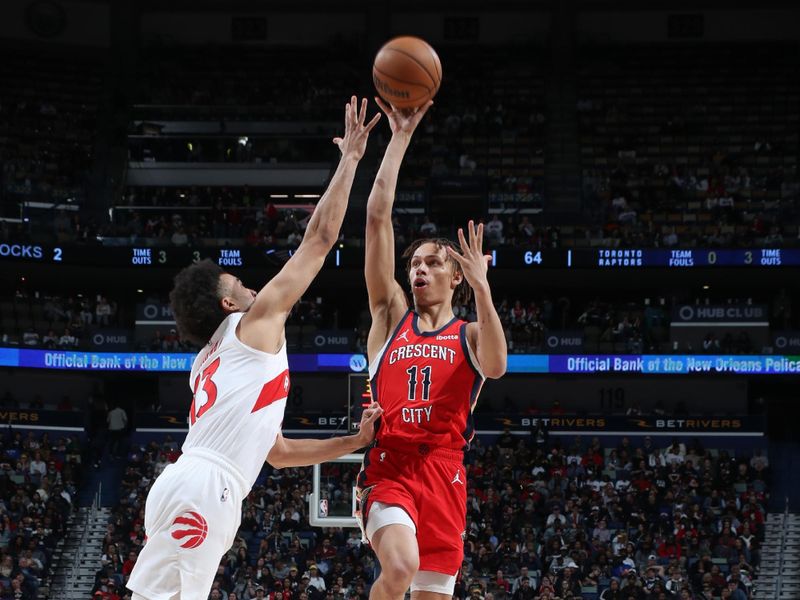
[(427, 384)]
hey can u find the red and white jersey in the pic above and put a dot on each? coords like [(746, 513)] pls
[(239, 395), (427, 384)]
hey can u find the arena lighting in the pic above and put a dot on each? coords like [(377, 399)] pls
[(306, 195), (52, 205), (279, 195), (705, 287)]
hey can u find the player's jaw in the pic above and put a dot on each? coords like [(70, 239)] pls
[(235, 296)]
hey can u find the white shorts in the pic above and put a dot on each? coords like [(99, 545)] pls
[(192, 514), (381, 515)]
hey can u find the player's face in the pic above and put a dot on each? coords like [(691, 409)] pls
[(432, 275), (235, 296)]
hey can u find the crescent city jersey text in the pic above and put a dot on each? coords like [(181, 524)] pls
[(239, 396), (427, 384)]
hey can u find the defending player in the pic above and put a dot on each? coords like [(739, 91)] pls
[(426, 369), (240, 381)]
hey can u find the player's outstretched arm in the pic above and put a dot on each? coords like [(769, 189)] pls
[(277, 298), (302, 453), (387, 301), (486, 334)]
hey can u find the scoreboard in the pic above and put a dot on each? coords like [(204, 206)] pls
[(359, 397), (144, 257)]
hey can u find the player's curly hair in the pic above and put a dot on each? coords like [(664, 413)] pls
[(462, 295), (195, 300)]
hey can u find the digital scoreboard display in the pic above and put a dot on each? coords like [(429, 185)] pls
[(359, 397), (503, 258)]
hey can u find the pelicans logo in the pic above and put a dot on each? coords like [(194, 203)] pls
[(192, 528)]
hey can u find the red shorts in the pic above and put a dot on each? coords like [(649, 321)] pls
[(431, 488)]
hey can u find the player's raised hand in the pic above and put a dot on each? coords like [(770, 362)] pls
[(474, 263), (356, 132), (403, 121), (366, 429)]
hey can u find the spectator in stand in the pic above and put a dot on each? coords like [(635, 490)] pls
[(103, 312), (30, 337), (525, 591), (38, 466), (67, 341), (117, 422), (494, 231), (428, 228), (180, 238), (524, 575)]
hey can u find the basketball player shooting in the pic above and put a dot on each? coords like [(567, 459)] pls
[(240, 382), (426, 369)]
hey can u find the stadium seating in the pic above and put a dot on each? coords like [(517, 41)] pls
[(48, 122), (611, 324), (39, 481), (575, 516), (694, 142)]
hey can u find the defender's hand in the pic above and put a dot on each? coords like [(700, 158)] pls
[(366, 429), (354, 143)]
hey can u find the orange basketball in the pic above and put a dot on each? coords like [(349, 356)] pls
[(407, 72)]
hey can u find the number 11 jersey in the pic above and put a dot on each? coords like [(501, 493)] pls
[(427, 384), (239, 397)]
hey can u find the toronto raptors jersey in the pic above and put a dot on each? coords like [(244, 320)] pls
[(427, 384), (239, 395)]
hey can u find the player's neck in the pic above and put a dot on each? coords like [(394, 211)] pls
[(433, 317)]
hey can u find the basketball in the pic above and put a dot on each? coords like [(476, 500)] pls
[(407, 72)]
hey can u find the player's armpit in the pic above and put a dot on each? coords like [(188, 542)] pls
[(384, 320)]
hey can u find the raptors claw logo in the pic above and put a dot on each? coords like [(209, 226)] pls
[(196, 529)]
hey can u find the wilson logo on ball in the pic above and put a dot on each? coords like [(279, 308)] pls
[(192, 528), (385, 88)]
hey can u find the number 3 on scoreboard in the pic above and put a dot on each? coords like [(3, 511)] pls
[(209, 387)]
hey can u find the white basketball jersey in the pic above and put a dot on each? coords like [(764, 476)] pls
[(239, 396)]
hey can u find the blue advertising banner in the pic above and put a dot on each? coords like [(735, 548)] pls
[(650, 364)]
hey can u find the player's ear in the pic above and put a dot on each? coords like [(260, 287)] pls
[(458, 277), (228, 304)]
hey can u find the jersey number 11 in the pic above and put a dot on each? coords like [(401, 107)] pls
[(426, 383)]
